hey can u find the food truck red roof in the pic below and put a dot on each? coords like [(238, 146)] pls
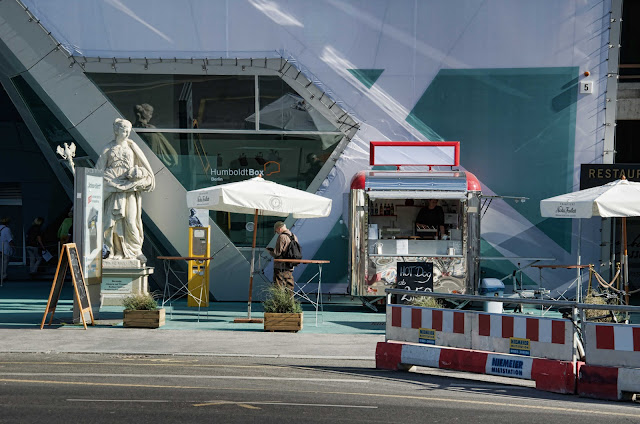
[(427, 179), (415, 153)]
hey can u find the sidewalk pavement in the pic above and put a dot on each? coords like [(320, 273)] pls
[(345, 329), (130, 341)]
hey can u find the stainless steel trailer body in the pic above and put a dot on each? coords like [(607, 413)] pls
[(383, 209)]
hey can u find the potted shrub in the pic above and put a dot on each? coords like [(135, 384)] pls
[(141, 310), (281, 311)]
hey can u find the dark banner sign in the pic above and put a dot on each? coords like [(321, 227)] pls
[(593, 175)]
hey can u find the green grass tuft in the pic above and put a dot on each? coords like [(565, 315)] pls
[(280, 300), (140, 302)]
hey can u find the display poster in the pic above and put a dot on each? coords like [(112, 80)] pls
[(198, 217), (87, 225)]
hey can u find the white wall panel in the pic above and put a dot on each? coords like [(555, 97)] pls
[(410, 40)]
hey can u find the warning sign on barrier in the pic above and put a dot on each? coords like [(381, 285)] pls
[(519, 346), (427, 336)]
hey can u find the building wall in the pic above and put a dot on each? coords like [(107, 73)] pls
[(501, 76)]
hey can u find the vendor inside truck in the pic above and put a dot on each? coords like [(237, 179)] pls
[(430, 217)]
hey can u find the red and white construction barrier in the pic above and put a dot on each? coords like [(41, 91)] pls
[(535, 336), (609, 383), (612, 369), (549, 375), (612, 345), (534, 348)]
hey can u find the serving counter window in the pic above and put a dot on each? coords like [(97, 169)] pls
[(427, 220), (419, 231)]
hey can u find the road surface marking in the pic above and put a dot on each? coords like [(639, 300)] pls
[(370, 395), (325, 405), (214, 377), (118, 400), (155, 364)]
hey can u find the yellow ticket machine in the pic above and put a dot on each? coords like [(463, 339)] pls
[(199, 270)]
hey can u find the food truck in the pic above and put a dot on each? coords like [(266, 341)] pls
[(389, 246)]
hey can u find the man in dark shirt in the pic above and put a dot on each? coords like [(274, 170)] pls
[(431, 216)]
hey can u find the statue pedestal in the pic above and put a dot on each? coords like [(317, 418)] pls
[(121, 278)]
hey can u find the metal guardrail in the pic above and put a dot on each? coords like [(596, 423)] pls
[(477, 298), (577, 315)]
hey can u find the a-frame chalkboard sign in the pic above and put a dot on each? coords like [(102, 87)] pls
[(69, 260)]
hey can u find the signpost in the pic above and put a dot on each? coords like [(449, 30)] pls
[(88, 229), (69, 260)]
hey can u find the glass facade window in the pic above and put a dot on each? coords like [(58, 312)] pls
[(282, 108), (181, 101), (53, 130), (203, 160), (208, 133)]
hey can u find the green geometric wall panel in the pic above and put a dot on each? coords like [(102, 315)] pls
[(516, 129), (367, 77), (334, 248)]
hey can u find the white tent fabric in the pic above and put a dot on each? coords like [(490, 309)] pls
[(268, 197), (620, 198)]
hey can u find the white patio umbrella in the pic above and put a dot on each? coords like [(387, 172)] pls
[(258, 196), (617, 199)]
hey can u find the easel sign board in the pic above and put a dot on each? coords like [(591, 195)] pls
[(69, 260)]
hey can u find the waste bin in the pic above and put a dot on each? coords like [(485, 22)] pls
[(492, 287)]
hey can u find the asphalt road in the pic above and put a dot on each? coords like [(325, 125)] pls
[(63, 388)]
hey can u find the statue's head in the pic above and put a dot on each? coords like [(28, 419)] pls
[(144, 111), (122, 125)]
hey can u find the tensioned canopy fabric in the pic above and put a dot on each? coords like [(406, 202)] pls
[(268, 197), (620, 198)]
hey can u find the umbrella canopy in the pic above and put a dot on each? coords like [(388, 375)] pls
[(267, 197), (291, 112), (258, 196), (617, 199), (620, 198)]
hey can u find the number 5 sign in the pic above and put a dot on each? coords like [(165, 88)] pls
[(586, 87)]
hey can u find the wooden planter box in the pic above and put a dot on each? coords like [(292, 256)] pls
[(144, 319), (282, 322)]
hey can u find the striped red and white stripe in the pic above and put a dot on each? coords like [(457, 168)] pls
[(543, 330), (446, 321), (618, 337)]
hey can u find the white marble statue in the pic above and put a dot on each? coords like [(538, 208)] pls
[(68, 152), (127, 174)]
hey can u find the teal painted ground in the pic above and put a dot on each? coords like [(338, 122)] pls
[(22, 305)]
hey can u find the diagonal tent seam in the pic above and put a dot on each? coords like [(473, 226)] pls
[(367, 77)]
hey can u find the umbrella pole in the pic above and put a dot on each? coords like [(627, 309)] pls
[(579, 282), (626, 261), (253, 257)]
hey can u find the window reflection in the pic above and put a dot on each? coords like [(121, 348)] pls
[(225, 102), (211, 159), (157, 141), (55, 133), (282, 108), (182, 101)]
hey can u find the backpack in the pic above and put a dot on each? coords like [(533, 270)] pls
[(294, 251)]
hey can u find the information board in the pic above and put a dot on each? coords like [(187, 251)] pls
[(416, 276), (69, 260)]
